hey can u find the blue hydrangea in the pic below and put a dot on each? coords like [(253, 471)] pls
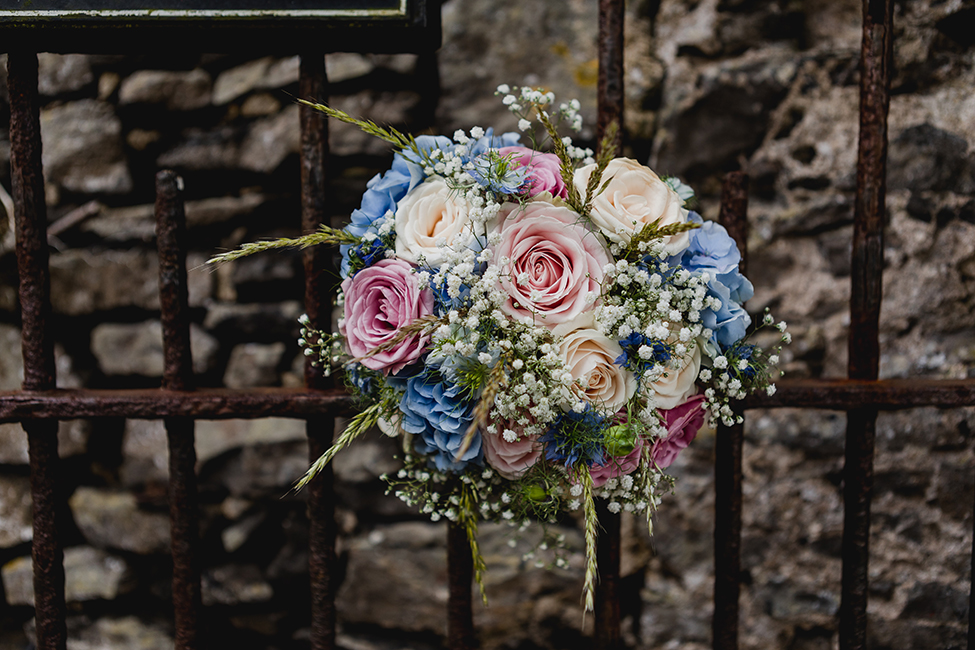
[(729, 323), (710, 248), (439, 414)]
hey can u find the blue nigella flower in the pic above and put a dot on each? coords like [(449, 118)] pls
[(498, 175), (631, 359), (576, 437), (439, 414)]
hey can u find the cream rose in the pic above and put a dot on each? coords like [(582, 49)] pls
[(431, 213), (634, 197), (591, 359), (675, 387)]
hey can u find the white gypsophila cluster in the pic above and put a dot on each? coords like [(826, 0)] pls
[(530, 104)]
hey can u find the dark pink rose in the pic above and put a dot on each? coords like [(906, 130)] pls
[(617, 465), (683, 423), (544, 174), (554, 263), (379, 301), (510, 459)]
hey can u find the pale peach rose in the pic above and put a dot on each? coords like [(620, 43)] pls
[(431, 213), (634, 197), (678, 384), (590, 357)]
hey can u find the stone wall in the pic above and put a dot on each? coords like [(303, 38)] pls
[(711, 85)]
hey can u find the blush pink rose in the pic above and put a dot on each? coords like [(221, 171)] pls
[(617, 465), (554, 262), (545, 173), (510, 459), (379, 301), (683, 423)]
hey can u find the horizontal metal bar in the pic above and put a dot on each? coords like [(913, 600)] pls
[(152, 404), (884, 394), (225, 403)]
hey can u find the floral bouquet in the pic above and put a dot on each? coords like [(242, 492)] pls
[(540, 329)]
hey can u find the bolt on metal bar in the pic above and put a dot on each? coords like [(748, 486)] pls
[(30, 213), (320, 427), (865, 300), (728, 455), (180, 431), (609, 105)]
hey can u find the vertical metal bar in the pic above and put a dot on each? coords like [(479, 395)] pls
[(609, 101), (320, 430), (460, 573), (606, 632), (178, 375), (609, 104), (30, 213), (865, 299), (727, 456)]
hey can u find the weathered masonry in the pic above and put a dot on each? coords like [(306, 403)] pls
[(393, 26)]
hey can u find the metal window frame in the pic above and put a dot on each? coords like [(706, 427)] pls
[(40, 404)]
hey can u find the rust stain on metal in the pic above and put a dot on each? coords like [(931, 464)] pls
[(460, 574), (154, 404), (865, 299), (610, 84), (727, 457), (30, 213), (178, 375), (313, 82)]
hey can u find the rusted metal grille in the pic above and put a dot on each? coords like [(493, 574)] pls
[(40, 404)]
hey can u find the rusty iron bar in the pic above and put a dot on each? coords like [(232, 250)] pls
[(460, 574), (728, 455), (253, 403), (30, 215), (312, 85), (154, 404), (609, 102), (180, 431), (865, 299), (609, 105), (606, 630)]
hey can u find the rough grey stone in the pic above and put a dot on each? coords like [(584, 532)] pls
[(177, 91), (138, 222), (925, 157), (83, 148), (240, 80), (234, 585), (203, 149), (62, 73), (254, 364), (214, 437), (89, 574), (270, 141), (111, 633), (113, 520), (137, 348), (89, 280), (145, 453), (15, 508)]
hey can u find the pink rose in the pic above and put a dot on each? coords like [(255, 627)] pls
[(554, 263), (683, 423), (617, 465), (379, 301), (545, 170), (510, 459)]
